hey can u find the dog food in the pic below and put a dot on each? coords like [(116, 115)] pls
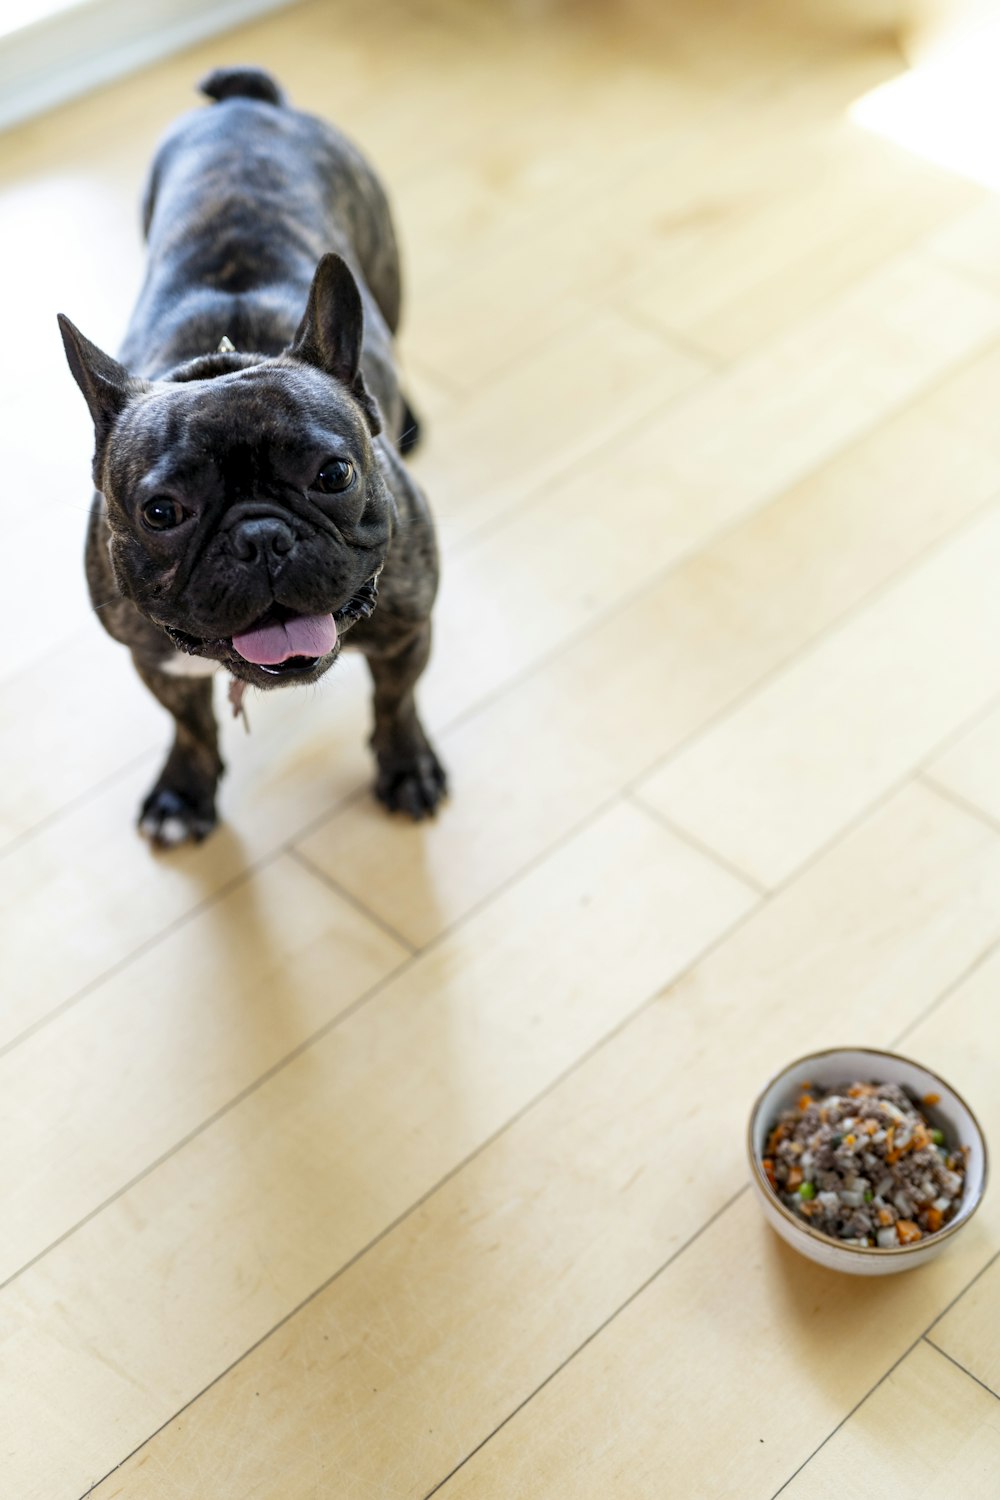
[(862, 1164)]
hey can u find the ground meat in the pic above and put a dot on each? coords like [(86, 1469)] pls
[(862, 1164)]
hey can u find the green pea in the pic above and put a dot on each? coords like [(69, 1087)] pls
[(835, 1141), (937, 1136), (807, 1191), (868, 1195)]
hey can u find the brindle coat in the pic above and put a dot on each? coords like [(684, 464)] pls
[(255, 211)]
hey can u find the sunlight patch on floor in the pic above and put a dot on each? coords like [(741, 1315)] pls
[(946, 110)]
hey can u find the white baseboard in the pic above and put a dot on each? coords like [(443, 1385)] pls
[(94, 41)]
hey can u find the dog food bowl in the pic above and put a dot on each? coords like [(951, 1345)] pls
[(841, 1065)]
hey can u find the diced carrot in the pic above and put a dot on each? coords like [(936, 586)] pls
[(907, 1232), (777, 1134), (768, 1166), (932, 1099), (804, 1101), (871, 1127), (850, 1140), (935, 1219), (885, 1217)]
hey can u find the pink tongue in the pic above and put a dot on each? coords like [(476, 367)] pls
[(302, 635)]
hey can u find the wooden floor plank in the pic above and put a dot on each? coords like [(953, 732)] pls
[(608, 528), (750, 431), (971, 243), (785, 409), (968, 769), (410, 1359), (555, 412), (233, 993), (968, 1331), (71, 699), (927, 1430), (756, 260), (688, 181), (811, 747)]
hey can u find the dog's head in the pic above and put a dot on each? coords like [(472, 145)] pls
[(248, 514)]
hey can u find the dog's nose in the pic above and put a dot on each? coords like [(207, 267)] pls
[(254, 539)]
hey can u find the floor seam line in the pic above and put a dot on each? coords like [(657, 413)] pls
[(846, 1418), (959, 1366), (595, 1333), (635, 799), (964, 804), (304, 862)]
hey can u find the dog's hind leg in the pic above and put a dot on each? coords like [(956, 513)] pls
[(180, 808), (410, 777)]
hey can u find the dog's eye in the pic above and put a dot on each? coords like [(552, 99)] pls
[(335, 475), (161, 513)]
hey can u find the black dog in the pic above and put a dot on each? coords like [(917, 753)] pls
[(253, 510)]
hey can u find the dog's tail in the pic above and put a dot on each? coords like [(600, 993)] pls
[(243, 83)]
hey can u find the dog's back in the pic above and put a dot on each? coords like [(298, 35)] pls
[(242, 201)]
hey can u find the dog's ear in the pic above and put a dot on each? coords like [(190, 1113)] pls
[(332, 330), (106, 385)]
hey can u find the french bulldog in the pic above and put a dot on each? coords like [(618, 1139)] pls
[(253, 513)]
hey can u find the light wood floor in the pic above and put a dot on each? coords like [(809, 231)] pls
[(342, 1158)]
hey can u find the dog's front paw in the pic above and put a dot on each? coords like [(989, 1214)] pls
[(413, 784), (168, 818)]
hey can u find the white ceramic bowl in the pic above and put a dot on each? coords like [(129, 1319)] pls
[(852, 1065)]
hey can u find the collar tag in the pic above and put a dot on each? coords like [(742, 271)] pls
[(226, 345)]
